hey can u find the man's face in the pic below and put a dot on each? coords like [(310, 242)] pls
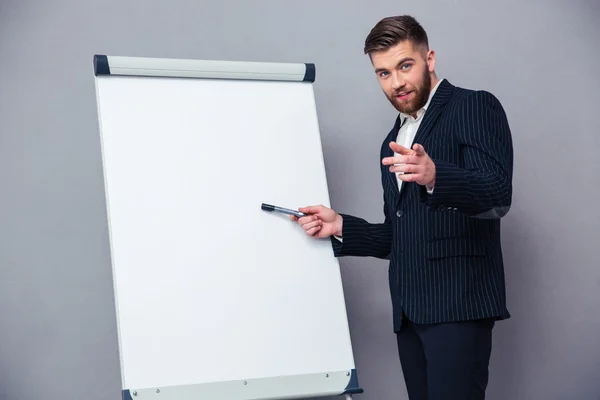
[(404, 75)]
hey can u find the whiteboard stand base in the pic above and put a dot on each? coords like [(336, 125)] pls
[(332, 384)]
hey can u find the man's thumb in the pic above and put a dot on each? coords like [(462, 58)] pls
[(309, 209), (419, 149)]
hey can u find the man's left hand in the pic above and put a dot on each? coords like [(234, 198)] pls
[(415, 164)]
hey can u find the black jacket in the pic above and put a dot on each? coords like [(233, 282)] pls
[(444, 249)]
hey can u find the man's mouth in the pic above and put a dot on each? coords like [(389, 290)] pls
[(403, 95)]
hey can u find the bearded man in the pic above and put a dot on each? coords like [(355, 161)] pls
[(446, 172)]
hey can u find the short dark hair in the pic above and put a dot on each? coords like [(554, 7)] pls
[(392, 30)]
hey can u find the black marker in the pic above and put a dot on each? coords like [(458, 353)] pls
[(269, 207)]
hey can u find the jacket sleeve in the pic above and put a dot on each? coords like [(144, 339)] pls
[(363, 239), (482, 186)]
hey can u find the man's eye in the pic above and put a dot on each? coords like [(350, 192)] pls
[(384, 73), (406, 66)]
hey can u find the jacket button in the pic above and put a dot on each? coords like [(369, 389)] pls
[(399, 213)]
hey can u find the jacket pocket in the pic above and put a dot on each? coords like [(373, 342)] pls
[(455, 247)]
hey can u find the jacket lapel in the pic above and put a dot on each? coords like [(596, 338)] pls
[(390, 178), (440, 98)]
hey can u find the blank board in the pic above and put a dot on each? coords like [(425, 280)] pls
[(216, 298)]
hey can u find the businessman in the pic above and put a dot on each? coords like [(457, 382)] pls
[(446, 172)]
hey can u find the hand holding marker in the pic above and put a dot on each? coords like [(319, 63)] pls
[(318, 221)]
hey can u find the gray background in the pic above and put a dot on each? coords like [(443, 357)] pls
[(57, 328)]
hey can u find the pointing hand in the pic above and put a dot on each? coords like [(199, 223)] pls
[(414, 163)]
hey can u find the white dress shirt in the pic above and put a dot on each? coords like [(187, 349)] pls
[(408, 130)]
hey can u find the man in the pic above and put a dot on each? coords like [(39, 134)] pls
[(446, 171)]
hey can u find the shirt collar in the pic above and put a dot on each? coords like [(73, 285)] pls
[(420, 113)]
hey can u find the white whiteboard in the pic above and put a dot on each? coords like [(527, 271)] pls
[(210, 288)]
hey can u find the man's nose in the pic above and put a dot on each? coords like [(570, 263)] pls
[(397, 81)]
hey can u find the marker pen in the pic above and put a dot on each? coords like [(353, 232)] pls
[(269, 207)]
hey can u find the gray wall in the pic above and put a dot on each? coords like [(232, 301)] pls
[(57, 329)]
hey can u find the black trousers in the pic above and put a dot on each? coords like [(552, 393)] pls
[(445, 361)]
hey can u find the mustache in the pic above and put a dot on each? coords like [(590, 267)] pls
[(402, 92)]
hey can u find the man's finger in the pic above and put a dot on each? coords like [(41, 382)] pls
[(313, 231), (412, 168), (419, 149), (401, 149), (409, 177), (407, 159), (388, 160), (312, 224), (307, 219), (310, 209), (401, 160)]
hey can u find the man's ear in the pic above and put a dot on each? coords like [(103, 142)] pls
[(431, 60)]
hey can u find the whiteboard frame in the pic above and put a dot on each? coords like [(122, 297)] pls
[(210, 69), (333, 383)]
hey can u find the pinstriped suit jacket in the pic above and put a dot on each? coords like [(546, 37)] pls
[(444, 251)]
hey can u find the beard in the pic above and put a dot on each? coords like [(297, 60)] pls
[(420, 95)]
